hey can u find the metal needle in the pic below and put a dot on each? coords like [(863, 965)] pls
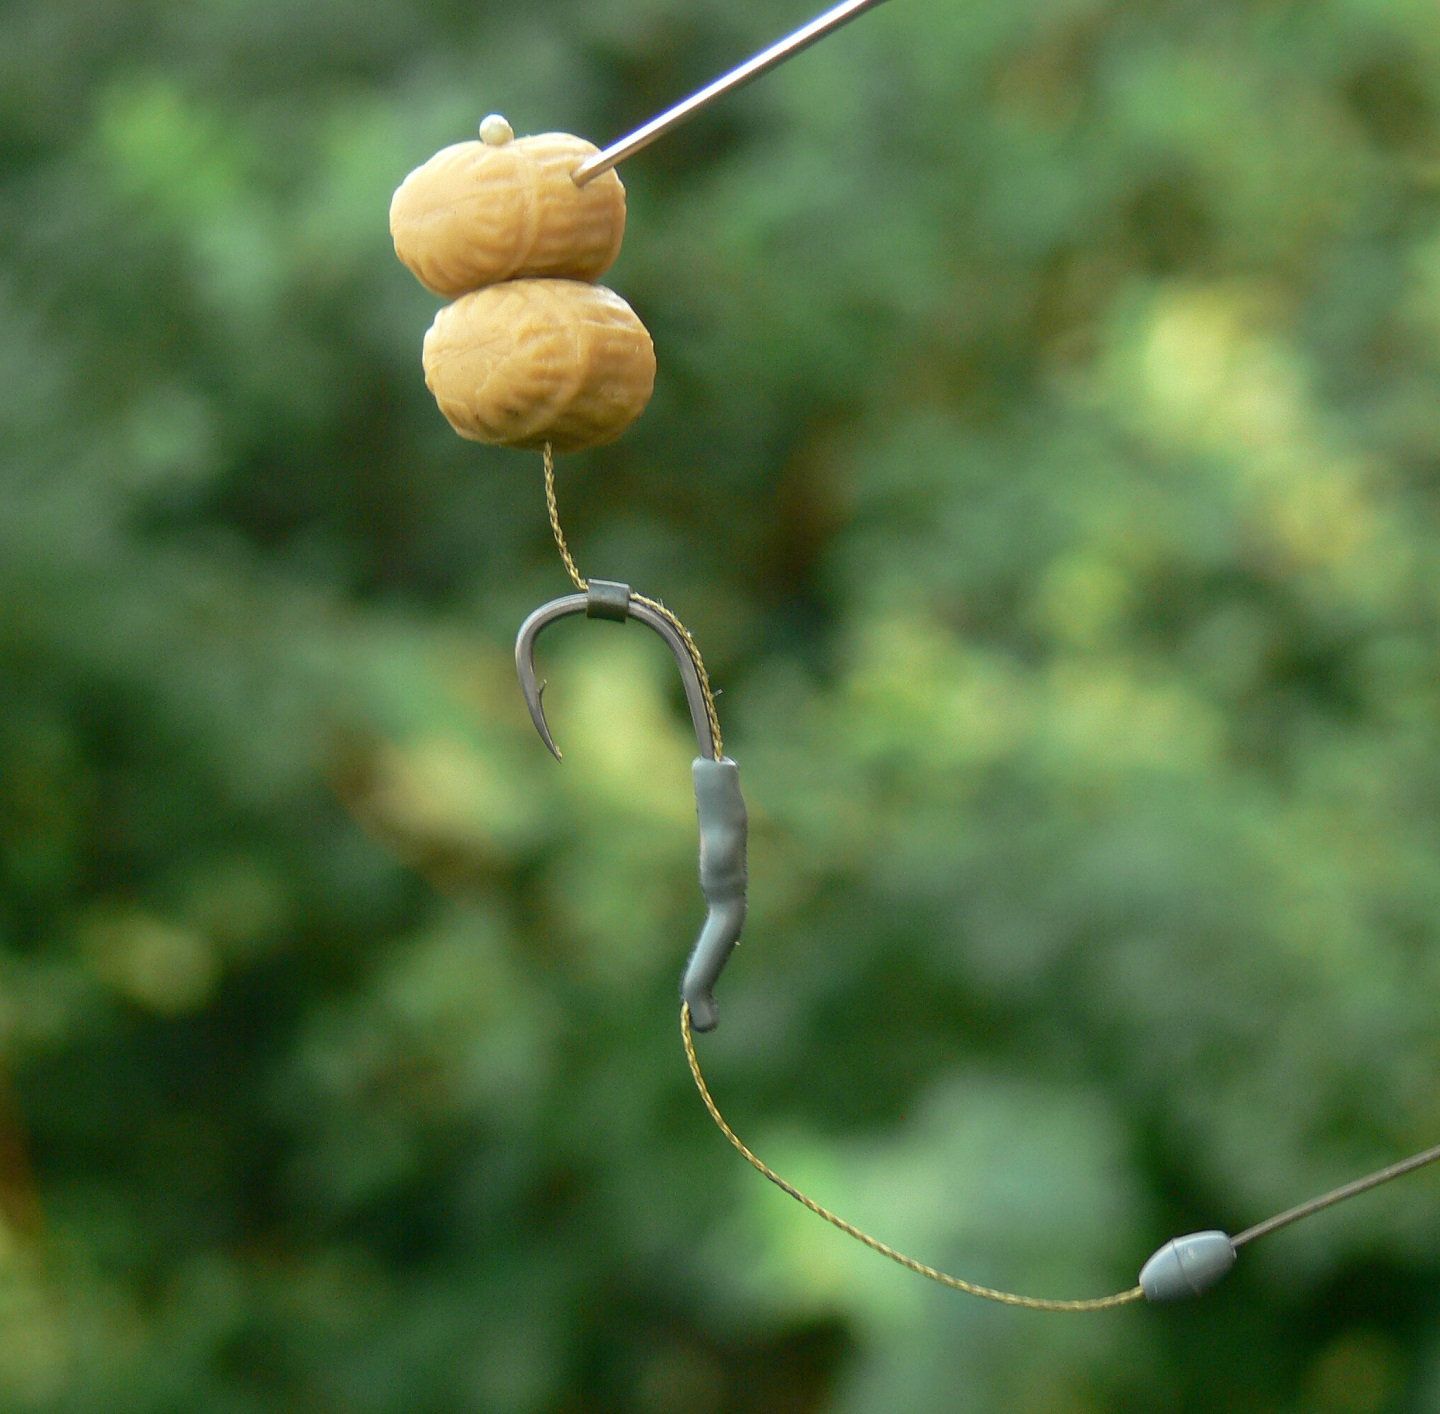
[(777, 53)]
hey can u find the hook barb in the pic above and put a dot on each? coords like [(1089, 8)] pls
[(537, 715)]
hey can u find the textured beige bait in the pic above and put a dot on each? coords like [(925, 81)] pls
[(534, 361), (478, 213)]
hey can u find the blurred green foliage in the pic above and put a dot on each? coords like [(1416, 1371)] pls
[(1046, 454)]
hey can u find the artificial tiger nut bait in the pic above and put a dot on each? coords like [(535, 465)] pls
[(534, 361), (481, 212)]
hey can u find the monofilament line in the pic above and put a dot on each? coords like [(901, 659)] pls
[(1337, 1195)]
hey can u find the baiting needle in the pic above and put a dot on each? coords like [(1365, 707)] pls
[(777, 53)]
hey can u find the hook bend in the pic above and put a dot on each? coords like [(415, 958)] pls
[(605, 599)]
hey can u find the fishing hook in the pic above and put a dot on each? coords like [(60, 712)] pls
[(719, 806)]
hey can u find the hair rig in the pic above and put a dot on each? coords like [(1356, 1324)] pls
[(532, 353)]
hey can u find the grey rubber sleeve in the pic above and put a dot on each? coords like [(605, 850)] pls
[(720, 809)]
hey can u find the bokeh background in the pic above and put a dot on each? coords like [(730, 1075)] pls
[(1046, 455)]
